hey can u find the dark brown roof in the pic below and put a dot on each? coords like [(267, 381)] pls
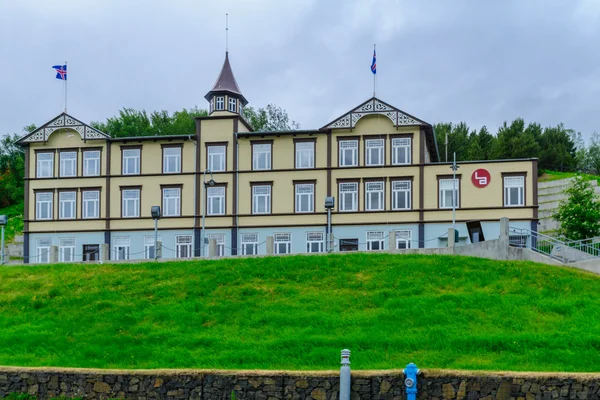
[(226, 82)]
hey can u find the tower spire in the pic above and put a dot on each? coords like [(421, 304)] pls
[(226, 33)]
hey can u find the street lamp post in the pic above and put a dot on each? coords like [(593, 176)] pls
[(454, 167), (211, 183), (329, 204), (3, 221), (155, 212)]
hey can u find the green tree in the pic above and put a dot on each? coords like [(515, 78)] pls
[(486, 143), (517, 141), (270, 118), (579, 213), (458, 140), (558, 150), (12, 171), (592, 156)]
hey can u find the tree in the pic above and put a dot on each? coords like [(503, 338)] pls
[(579, 213), (271, 118), (557, 149), (12, 169), (517, 141), (592, 157)]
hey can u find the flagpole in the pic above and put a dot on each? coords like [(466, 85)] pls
[(65, 88), (374, 75)]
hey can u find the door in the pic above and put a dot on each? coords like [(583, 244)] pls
[(91, 252), (348, 244)]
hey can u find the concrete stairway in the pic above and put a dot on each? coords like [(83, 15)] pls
[(549, 195)]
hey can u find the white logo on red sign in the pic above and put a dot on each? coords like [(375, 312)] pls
[(481, 178)]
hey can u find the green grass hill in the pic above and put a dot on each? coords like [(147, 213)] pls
[(298, 312)]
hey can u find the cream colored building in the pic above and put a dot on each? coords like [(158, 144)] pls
[(84, 188)]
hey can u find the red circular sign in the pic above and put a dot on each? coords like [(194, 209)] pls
[(481, 178)]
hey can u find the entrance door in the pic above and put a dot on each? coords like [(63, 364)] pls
[(91, 252), (348, 244)]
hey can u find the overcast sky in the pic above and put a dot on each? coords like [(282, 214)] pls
[(482, 62)]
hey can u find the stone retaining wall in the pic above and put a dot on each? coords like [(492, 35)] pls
[(270, 385)]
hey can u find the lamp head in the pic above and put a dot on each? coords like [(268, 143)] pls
[(155, 212), (3, 220)]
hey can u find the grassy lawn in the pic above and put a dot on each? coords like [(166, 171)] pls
[(299, 312), (555, 176)]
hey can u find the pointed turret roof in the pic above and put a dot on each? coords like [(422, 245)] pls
[(226, 82)]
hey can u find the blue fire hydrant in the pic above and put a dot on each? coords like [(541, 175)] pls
[(411, 371)]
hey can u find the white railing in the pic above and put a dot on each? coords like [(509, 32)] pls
[(565, 252)]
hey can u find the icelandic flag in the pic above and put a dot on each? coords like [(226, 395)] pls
[(61, 72), (374, 64)]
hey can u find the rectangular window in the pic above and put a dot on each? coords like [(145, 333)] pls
[(375, 240), (45, 165), (261, 154), (43, 205), (68, 163), (232, 104), (131, 203), (314, 242), (66, 249), (131, 161), (220, 239), (305, 154), (514, 191), (66, 205), (348, 196), (348, 153), (91, 163), (215, 200), (305, 197), (121, 245), (171, 202), (283, 243), (249, 243), (374, 150), (171, 160), (401, 151), (91, 204), (220, 103), (216, 158), (261, 199), (149, 246), (374, 195), (401, 195), (42, 250), (184, 246), (403, 239), (446, 192)]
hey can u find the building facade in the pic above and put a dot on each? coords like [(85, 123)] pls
[(84, 188)]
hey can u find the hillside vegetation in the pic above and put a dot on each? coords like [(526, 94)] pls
[(298, 312)]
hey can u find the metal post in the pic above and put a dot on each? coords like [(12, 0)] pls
[(329, 230), (203, 211), (155, 239), (454, 193), (345, 375), (2, 259)]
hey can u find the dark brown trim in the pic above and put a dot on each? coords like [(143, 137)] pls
[(26, 187), (235, 177), (54, 204), (206, 144), (367, 180), (534, 188), (519, 173), (198, 177), (410, 136), (215, 144), (384, 153), (91, 189), (450, 176), (67, 190), (121, 188), (252, 143), (348, 180), (393, 179), (524, 175), (131, 147), (107, 212), (357, 139), (44, 150), (44, 190), (306, 140), (162, 199), (422, 192), (172, 186), (264, 183), (328, 164), (36, 151), (164, 146), (224, 205), (70, 150), (305, 182), (85, 150)]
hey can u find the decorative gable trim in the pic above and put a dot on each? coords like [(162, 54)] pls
[(373, 106), (63, 121)]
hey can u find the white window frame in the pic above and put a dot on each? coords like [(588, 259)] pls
[(215, 200), (375, 239), (403, 238), (301, 191), (348, 153), (305, 155), (44, 200), (149, 246), (282, 243), (514, 183), (220, 103), (172, 158), (68, 164), (183, 246), (261, 152), (45, 162), (91, 162), (401, 189), (66, 249), (232, 104), (399, 146), (445, 186), (216, 158), (42, 250), (135, 155), (315, 239), (375, 147), (121, 247), (348, 188), (64, 203), (261, 197), (374, 196), (130, 206), (220, 239), (90, 200), (171, 201), (249, 241)]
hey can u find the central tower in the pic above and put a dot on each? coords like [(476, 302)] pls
[(226, 98)]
